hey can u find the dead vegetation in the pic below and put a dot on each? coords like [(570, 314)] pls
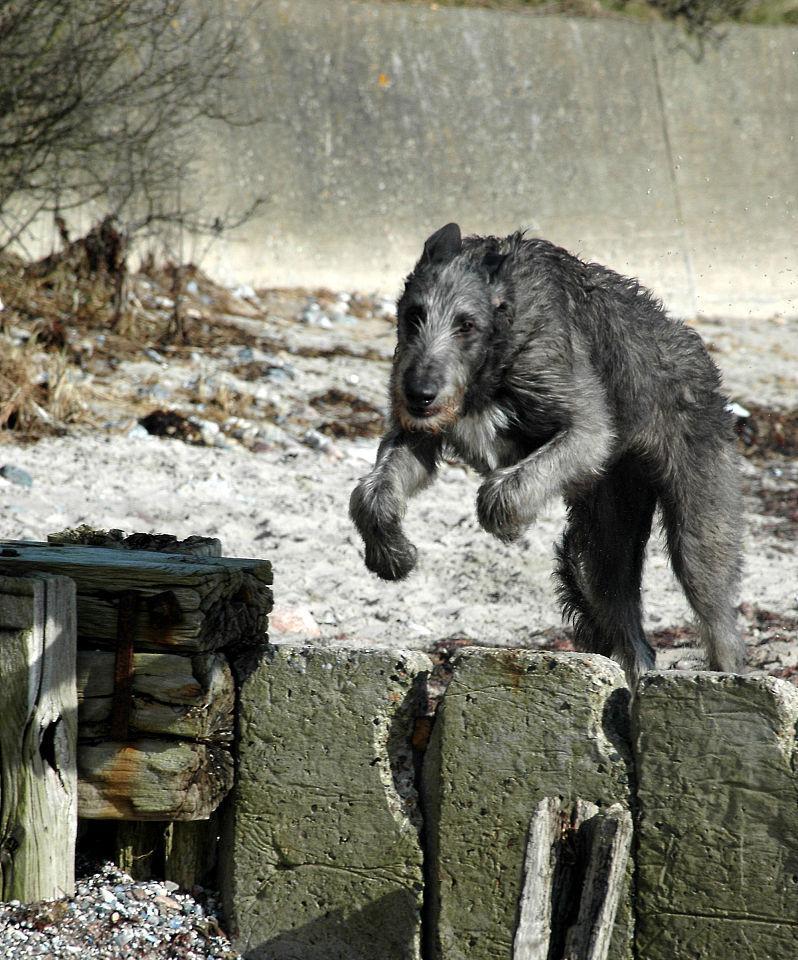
[(37, 392), (766, 433), (86, 344), (347, 415)]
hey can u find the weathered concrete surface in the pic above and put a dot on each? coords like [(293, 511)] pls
[(514, 727), (732, 124), (717, 853), (387, 120), (322, 859), (384, 121)]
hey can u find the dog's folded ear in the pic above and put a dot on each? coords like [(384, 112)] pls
[(443, 245)]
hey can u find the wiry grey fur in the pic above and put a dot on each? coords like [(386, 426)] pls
[(552, 377)]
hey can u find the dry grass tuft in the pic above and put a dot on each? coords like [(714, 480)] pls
[(38, 394)]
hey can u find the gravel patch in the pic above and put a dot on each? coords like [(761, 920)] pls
[(111, 917)]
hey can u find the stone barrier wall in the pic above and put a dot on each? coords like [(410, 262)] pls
[(620, 140), (341, 844)]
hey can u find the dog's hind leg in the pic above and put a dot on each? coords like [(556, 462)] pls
[(702, 516), (600, 566)]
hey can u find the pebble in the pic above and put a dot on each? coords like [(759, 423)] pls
[(385, 308), (154, 356), (244, 292), (167, 903), (737, 409), (311, 312), (293, 620), (280, 374), (16, 475), (316, 440)]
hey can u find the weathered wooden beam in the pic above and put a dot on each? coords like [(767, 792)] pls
[(180, 696), (192, 604), (38, 723), (534, 920), (611, 840), (152, 780), (551, 877)]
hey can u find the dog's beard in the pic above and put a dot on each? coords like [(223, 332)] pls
[(441, 414)]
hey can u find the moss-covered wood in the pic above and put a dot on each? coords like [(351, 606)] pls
[(87, 536)]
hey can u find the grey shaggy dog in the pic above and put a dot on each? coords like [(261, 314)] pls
[(551, 376)]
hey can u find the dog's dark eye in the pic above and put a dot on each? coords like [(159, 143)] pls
[(414, 317), (464, 323)]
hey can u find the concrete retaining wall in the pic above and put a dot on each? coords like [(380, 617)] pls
[(328, 854), (384, 121)]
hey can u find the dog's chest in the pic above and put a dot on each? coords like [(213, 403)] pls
[(481, 440)]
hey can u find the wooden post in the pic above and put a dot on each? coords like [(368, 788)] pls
[(190, 851), (139, 848), (38, 732), (534, 920), (573, 877), (589, 938)]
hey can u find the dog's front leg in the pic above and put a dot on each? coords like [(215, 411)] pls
[(405, 464), (511, 497)]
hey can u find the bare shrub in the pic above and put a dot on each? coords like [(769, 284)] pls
[(99, 101)]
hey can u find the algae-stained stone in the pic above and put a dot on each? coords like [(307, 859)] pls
[(718, 807), (514, 727), (322, 857)]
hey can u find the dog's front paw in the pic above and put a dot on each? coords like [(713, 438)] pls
[(496, 507), (391, 557)]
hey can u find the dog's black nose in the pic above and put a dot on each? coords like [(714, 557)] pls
[(421, 389), (421, 395)]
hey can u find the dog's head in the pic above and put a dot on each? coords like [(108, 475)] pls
[(453, 321)]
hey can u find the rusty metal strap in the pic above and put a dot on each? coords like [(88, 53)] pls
[(126, 620)]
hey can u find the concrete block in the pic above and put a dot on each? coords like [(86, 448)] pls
[(514, 727), (322, 857), (718, 817)]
